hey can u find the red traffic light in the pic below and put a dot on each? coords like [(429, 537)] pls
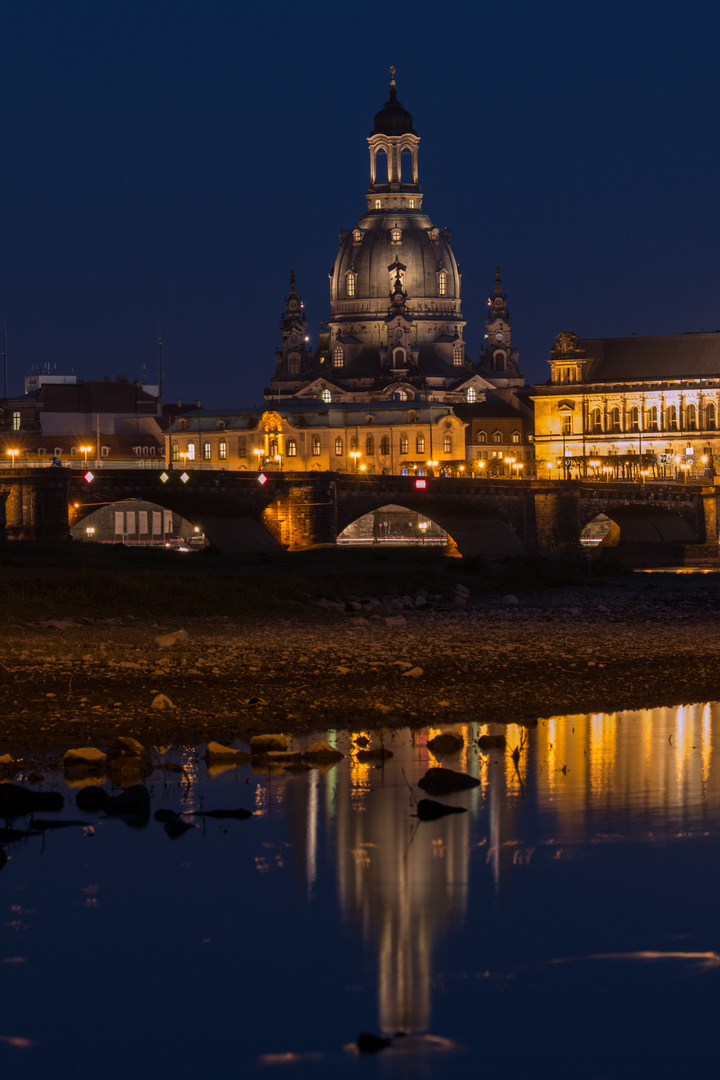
[(421, 483)]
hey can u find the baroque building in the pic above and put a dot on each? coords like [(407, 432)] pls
[(626, 408), (396, 329)]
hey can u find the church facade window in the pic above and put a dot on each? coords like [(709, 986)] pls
[(385, 445), (404, 444), (447, 444), (291, 448), (316, 446), (191, 451), (350, 279), (369, 445), (396, 236), (442, 283), (338, 447), (222, 450), (420, 444), (207, 451)]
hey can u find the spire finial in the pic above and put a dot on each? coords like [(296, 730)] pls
[(392, 75)]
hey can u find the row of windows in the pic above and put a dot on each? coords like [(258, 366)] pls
[(651, 419), (497, 437), (339, 360), (291, 447)]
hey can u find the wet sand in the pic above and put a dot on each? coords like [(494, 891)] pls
[(654, 641)]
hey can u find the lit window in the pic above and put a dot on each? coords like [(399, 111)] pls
[(385, 445), (351, 284), (615, 419), (291, 448), (710, 417), (378, 204), (16, 421), (420, 444), (207, 451), (338, 356), (482, 437), (222, 450), (458, 354), (497, 437), (442, 283), (470, 394), (326, 396), (191, 451), (338, 447), (567, 425), (357, 236), (316, 446), (369, 445), (691, 417), (403, 444), (652, 418), (672, 421), (447, 444), (411, 204), (404, 471), (634, 418), (396, 235), (516, 436), (597, 420), (175, 452)]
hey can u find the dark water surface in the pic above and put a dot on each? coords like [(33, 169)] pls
[(568, 925)]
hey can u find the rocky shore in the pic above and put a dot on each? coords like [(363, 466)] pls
[(653, 640)]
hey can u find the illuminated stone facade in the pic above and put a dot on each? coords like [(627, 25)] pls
[(396, 330), (386, 438), (630, 408)]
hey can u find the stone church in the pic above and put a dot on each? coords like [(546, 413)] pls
[(396, 330)]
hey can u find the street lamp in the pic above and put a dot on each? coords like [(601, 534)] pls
[(86, 450), (422, 525), (90, 532), (685, 465), (607, 469), (258, 454), (355, 454), (480, 464), (594, 465), (517, 467), (13, 454), (510, 461)]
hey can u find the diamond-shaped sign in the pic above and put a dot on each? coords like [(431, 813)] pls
[(184, 477), (164, 477), (262, 478), (88, 477)]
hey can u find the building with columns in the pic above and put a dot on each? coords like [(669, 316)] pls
[(630, 408), (396, 330)]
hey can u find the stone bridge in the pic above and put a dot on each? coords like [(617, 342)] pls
[(494, 518)]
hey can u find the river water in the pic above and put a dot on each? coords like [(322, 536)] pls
[(566, 925)]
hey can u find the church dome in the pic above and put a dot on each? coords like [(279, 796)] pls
[(393, 118)]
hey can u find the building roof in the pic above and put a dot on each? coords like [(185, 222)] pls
[(393, 118), (671, 356)]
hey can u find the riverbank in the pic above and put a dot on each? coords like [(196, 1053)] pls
[(471, 651)]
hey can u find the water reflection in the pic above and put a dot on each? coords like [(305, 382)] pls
[(526, 881)]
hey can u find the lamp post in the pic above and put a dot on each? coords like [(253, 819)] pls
[(517, 466), (510, 461), (258, 454), (685, 465), (480, 464), (607, 469), (12, 455), (90, 532), (594, 465), (355, 454), (86, 450), (185, 455), (422, 525)]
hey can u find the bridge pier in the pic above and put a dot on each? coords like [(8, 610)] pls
[(557, 520), (303, 515), (37, 503)]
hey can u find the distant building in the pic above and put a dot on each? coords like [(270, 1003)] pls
[(98, 420), (396, 330), (500, 434), (381, 438), (635, 407)]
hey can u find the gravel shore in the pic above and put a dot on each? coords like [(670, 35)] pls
[(651, 641)]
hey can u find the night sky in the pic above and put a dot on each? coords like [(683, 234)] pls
[(176, 160)]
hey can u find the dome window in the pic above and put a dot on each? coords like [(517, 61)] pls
[(411, 204), (293, 364), (396, 235), (338, 356), (326, 396), (378, 204), (442, 283), (350, 279), (399, 358), (458, 353), (357, 236), (471, 394)]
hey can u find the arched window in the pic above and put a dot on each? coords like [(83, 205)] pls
[(442, 283), (338, 356), (447, 444), (497, 437), (385, 445), (458, 353), (191, 451), (711, 417), (404, 471), (482, 437), (291, 448), (378, 204), (338, 447), (672, 422), (652, 418), (471, 395), (369, 445), (15, 421), (403, 444), (207, 451), (326, 396), (175, 452), (272, 448), (350, 283), (499, 359), (634, 418), (316, 446), (396, 235), (293, 364), (222, 450), (691, 417), (399, 358), (615, 419), (596, 420), (516, 436), (420, 444)]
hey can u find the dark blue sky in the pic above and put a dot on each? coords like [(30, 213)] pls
[(180, 158)]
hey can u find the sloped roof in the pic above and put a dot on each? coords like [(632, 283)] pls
[(672, 356)]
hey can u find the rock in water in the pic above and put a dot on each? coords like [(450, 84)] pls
[(491, 742), (444, 781), (15, 801), (446, 743), (429, 810)]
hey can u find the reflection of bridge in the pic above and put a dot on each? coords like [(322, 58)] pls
[(488, 517)]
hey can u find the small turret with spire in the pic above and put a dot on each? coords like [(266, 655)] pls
[(498, 359), (293, 326)]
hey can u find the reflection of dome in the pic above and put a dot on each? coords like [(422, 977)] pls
[(393, 119)]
